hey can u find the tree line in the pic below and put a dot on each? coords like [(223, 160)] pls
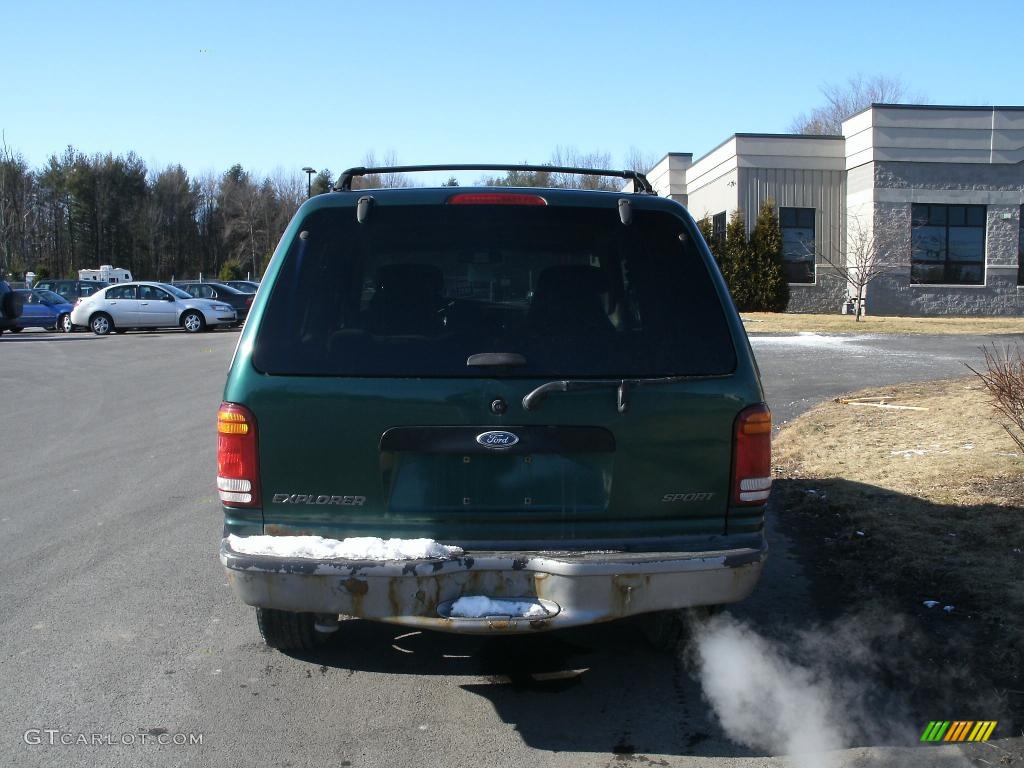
[(79, 211)]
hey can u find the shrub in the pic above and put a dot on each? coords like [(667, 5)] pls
[(230, 270), (1003, 377)]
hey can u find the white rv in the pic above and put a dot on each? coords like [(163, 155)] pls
[(106, 272)]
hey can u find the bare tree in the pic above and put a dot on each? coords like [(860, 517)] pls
[(638, 161), (381, 180), (844, 101), (573, 158), (865, 252)]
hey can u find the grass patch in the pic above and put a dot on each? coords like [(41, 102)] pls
[(781, 322), (902, 506)]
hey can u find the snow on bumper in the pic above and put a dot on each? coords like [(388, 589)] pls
[(578, 588)]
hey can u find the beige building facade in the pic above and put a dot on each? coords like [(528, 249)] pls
[(929, 199)]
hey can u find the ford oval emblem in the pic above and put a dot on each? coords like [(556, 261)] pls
[(497, 440)]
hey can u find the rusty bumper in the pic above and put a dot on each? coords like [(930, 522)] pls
[(575, 588)]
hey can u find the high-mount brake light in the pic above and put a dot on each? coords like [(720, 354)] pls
[(495, 198), (238, 482), (752, 456)]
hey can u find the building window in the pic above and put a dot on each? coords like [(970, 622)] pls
[(718, 227), (797, 244), (948, 244)]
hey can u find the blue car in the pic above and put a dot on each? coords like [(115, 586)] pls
[(43, 309)]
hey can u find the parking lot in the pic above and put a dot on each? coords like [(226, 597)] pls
[(117, 619)]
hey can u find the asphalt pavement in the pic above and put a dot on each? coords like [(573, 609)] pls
[(117, 625)]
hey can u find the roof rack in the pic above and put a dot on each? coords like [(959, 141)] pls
[(639, 180)]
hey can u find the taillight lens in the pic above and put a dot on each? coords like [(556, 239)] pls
[(495, 198), (752, 456), (238, 481)]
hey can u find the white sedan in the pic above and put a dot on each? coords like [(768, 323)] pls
[(149, 305)]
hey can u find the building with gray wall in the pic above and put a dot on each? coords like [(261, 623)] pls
[(929, 198)]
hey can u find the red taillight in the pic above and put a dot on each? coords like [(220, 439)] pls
[(752, 456), (238, 479), (495, 198)]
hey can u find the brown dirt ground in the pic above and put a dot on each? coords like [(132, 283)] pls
[(783, 322), (895, 507)]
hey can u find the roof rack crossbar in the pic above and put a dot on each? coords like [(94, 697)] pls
[(345, 180)]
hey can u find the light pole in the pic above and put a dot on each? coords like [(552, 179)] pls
[(309, 180)]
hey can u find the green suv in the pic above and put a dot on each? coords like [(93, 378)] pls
[(490, 410)]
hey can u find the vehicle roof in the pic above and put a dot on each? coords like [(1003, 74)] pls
[(72, 280), (221, 283)]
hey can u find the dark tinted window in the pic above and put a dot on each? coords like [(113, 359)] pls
[(797, 226), (121, 292), (718, 227), (152, 293), (416, 290), (948, 244)]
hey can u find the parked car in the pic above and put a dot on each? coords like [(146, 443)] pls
[(245, 286), (504, 410), (71, 289), (126, 306), (239, 300), (43, 309), (10, 306)]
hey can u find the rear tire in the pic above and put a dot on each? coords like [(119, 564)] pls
[(288, 631), (193, 322), (101, 324)]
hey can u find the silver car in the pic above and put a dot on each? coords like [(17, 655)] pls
[(124, 306)]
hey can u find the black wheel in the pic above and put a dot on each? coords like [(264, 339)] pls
[(101, 324), (667, 630), (193, 321), (17, 330), (64, 324), (288, 631)]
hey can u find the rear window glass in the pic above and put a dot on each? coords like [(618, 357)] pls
[(417, 290)]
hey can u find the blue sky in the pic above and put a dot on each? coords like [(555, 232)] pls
[(288, 84)]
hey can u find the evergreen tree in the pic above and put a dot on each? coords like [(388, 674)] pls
[(735, 261), (769, 291)]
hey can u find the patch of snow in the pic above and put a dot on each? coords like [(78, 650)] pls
[(860, 533), (357, 548), (477, 606), (968, 446), (930, 603), (909, 453), (809, 339), (948, 608)]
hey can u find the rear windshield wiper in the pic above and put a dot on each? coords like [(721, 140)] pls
[(532, 399)]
